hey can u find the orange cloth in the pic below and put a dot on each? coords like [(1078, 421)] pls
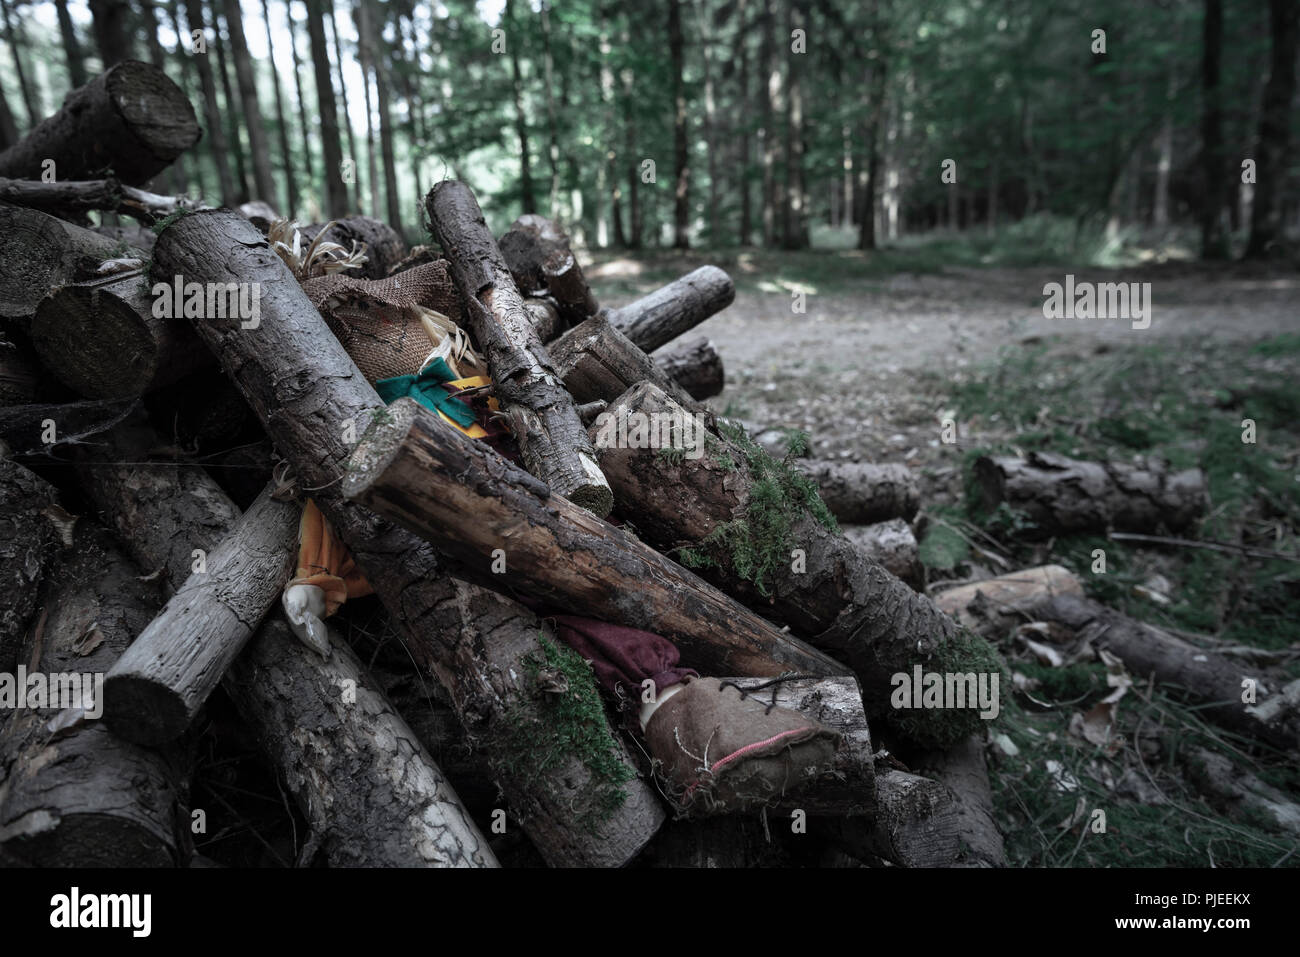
[(324, 561)]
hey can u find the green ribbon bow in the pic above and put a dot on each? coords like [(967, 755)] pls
[(426, 388)]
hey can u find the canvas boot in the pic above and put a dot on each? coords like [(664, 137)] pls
[(721, 750)]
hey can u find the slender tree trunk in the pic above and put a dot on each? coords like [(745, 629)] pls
[(8, 129), (365, 55), (710, 118), (630, 133), (609, 168), (414, 101), (303, 125), (552, 122), (17, 42), (231, 109), (329, 118), (345, 114), (681, 164), (871, 188), (257, 143), (770, 109), (71, 46), (216, 133), (112, 26), (286, 155), (378, 63), (527, 196), (795, 208), (1272, 154), (743, 97), (1214, 242)]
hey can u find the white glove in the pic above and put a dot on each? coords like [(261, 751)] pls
[(304, 606)]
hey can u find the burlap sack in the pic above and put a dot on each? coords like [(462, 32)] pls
[(720, 753), (378, 320)]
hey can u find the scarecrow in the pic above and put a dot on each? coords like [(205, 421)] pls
[(716, 748)]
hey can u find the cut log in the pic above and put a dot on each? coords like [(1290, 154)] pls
[(73, 794), (994, 606), (546, 318), (552, 442), (695, 365), (130, 122), (385, 248), (541, 261), (596, 361), (848, 789), (470, 501), (892, 545), (260, 213), (26, 428), (138, 237), (158, 685), (108, 195), (369, 802), (963, 771), (1208, 677), (916, 823), (310, 396), (102, 339), (29, 540), (795, 569), (1061, 495), (863, 494), (39, 253), (1232, 789), (678, 307)]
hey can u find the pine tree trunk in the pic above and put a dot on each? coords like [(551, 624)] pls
[(232, 111), (286, 156), (252, 112), (331, 146), (681, 162), (112, 26), (1214, 241), (303, 126), (216, 133), (71, 46), (527, 196), (1273, 151), (345, 114)]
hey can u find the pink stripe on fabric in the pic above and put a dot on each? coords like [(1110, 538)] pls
[(750, 747)]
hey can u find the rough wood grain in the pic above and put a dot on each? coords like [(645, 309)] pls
[(863, 494), (995, 605), (540, 258), (678, 307), (552, 442), (29, 540), (470, 501), (892, 545), (131, 122), (695, 365), (310, 396)]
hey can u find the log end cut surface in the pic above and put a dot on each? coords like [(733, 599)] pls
[(157, 112)]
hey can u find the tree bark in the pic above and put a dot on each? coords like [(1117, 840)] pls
[(102, 340), (552, 441), (331, 146), (286, 156), (892, 545), (662, 316), (962, 769), (596, 361), (1060, 494), (916, 823), (863, 494), (310, 395), (695, 365), (385, 248), (71, 45), (541, 262), (365, 799), (108, 195), (292, 29), (194, 17), (39, 252), (681, 164), (468, 500), (81, 796), (1206, 676), (23, 427), (1214, 241), (526, 195), (112, 26), (345, 114), (29, 540), (19, 370), (156, 688), (386, 153), (231, 108), (131, 120), (837, 598), (252, 111), (1275, 132)]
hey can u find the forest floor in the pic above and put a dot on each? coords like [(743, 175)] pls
[(889, 345)]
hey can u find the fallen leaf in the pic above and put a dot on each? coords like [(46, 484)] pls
[(90, 639), (1062, 779), (63, 521)]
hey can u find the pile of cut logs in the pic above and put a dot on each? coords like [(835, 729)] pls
[(144, 537)]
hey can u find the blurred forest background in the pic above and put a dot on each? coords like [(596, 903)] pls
[(718, 122)]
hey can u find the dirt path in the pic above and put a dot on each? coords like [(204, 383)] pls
[(863, 369)]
